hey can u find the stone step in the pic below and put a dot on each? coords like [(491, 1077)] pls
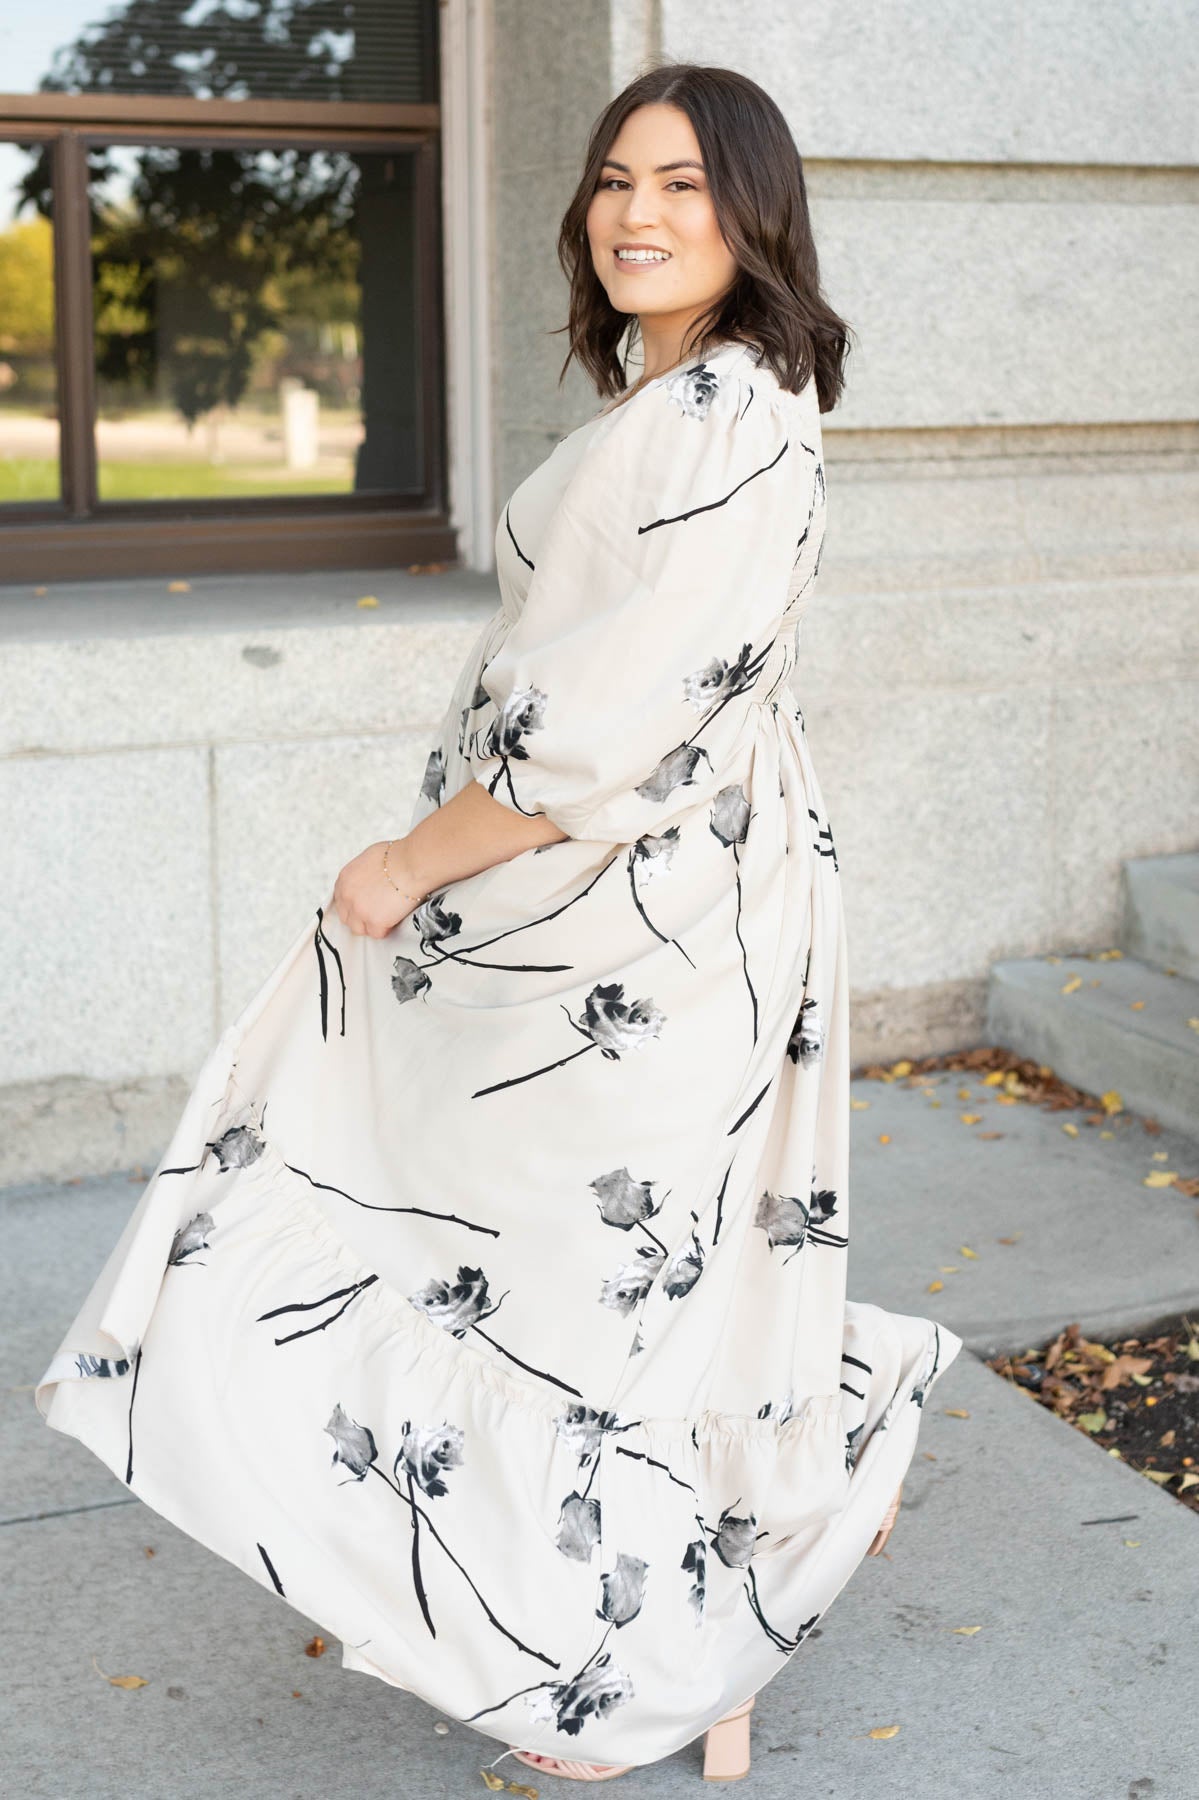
[(1161, 911), (1093, 1037)]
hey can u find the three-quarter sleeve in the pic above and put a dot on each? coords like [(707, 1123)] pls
[(621, 694)]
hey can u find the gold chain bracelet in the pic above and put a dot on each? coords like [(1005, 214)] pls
[(399, 890)]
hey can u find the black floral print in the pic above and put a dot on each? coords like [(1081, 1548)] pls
[(489, 1303)]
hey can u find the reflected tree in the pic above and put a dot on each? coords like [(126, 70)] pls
[(200, 254)]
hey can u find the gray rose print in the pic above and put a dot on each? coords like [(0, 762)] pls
[(434, 922), (353, 1444), (783, 1218), (712, 687), (236, 1148), (455, 1306), (787, 1221), (432, 785), (632, 1282), (623, 1589), (675, 770), (608, 1022), (652, 855), (408, 979), (582, 1428), (693, 389), (191, 1237), (625, 1202), (695, 1563), (734, 1539), (683, 1270), (567, 1705), (578, 1526), (806, 1043), (459, 1305), (852, 1446), (522, 712), (426, 1454)]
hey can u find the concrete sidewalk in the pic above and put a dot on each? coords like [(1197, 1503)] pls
[(1080, 1573)]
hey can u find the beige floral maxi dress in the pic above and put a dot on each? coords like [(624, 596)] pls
[(488, 1303)]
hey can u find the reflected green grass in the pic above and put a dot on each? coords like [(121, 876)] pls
[(25, 479)]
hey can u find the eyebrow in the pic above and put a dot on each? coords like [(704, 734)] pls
[(662, 168)]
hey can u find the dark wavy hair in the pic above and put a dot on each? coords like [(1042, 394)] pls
[(756, 180)]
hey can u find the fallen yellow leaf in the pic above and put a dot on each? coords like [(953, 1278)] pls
[(1160, 1178), (1091, 1421), (966, 1630), (884, 1137), (493, 1781), (121, 1681), (901, 1068), (965, 1250), (955, 1412), (1072, 986), (1187, 1481), (882, 1731), (934, 1287), (950, 1268), (994, 1078), (1112, 1101), (963, 1093), (1161, 1156), (179, 587), (1136, 1005), (1156, 1474), (859, 1105), (368, 600), (1071, 1130), (1133, 1543), (969, 1118)]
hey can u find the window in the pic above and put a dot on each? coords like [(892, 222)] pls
[(220, 287)]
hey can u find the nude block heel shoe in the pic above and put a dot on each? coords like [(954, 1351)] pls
[(879, 1541), (726, 1745)]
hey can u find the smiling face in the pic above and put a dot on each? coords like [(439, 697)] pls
[(652, 195)]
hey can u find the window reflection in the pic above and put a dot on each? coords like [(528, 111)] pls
[(255, 322), (28, 387), (330, 50)]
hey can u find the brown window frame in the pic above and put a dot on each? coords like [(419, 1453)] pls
[(80, 537)]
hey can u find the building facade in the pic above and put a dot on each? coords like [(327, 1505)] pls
[(278, 305)]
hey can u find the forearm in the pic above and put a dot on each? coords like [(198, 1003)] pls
[(467, 833)]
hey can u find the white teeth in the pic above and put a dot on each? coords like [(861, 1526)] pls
[(642, 256)]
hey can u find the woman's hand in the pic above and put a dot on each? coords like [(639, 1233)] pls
[(365, 899)]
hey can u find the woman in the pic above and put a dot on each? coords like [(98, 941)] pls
[(489, 1302)]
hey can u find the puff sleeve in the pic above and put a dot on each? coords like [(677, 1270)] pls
[(621, 694)]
